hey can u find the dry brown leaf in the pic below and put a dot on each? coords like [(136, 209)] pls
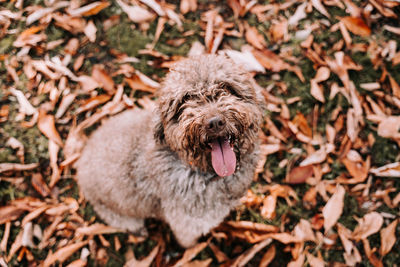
[(279, 31), (15, 144), (255, 38), (198, 263), (39, 184), (77, 263), (146, 261), (136, 13), (34, 214), (389, 170), (89, 10), (268, 256), (88, 83), (102, 77), (356, 25), (97, 229), (24, 105), (246, 59), (299, 262), (268, 207), (63, 253), (333, 208), (46, 125), (190, 253), (247, 225), (388, 238), (243, 259), (299, 175), (318, 6), (93, 102), (368, 225), (55, 171), (6, 167), (395, 86), (345, 235), (137, 84), (373, 259), (318, 156), (303, 231), (10, 213), (4, 239), (90, 31), (315, 261), (389, 127), (284, 238), (188, 5)]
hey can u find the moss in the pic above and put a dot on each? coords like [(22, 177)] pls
[(125, 39), (384, 151), (6, 44)]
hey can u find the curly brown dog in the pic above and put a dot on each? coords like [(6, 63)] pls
[(187, 163)]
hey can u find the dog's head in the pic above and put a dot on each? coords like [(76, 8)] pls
[(210, 113)]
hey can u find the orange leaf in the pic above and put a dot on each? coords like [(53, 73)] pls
[(333, 208), (299, 175), (10, 213), (268, 256), (96, 9), (356, 26), (63, 253), (388, 238), (102, 77), (368, 225), (47, 126), (39, 184)]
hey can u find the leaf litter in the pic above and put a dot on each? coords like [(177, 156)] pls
[(326, 187)]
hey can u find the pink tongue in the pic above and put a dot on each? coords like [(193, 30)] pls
[(223, 158)]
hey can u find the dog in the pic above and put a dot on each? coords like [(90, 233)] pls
[(188, 162)]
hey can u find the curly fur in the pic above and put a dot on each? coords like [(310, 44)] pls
[(142, 164)]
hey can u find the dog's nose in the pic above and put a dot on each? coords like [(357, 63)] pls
[(216, 123)]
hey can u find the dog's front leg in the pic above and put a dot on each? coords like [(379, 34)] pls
[(187, 229)]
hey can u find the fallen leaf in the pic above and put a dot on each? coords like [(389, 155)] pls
[(39, 184), (190, 253), (136, 13), (268, 256), (389, 127), (246, 59), (243, 259), (318, 156), (46, 125), (63, 253), (388, 170), (6, 167), (90, 31), (97, 229), (15, 144), (24, 105), (368, 225), (89, 10), (255, 38), (318, 6), (333, 208), (102, 77), (388, 238), (146, 261), (356, 25), (10, 213), (299, 175)]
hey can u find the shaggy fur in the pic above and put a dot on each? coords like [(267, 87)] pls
[(142, 164)]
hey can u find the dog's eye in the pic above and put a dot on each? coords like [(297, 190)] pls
[(181, 105), (230, 89)]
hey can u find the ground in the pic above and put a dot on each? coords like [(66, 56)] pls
[(326, 191)]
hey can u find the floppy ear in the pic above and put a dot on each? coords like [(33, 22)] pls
[(159, 135)]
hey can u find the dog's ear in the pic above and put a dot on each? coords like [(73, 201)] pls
[(159, 135)]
